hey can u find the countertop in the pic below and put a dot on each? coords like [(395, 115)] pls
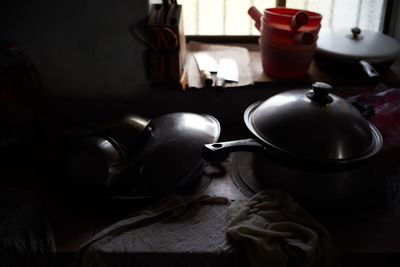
[(73, 221)]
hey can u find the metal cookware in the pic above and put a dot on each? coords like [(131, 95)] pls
[(95, 162), (317, 184), (119, 162), (356, 46), (311, 143), (312, 129), (98, 157), (171, 158), (365, 187), (130, 131)]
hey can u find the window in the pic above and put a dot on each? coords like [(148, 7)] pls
[(229, 17)]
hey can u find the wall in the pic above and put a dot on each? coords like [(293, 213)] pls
[(394, 31), (82, 48), (92, 66)]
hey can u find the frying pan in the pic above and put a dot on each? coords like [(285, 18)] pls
[(312, 129)]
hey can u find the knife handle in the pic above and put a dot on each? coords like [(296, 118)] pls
[(206, 78), (183, 81), (220, 82)]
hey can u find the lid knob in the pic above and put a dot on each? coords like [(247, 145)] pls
[(320, 93), (355, 31)]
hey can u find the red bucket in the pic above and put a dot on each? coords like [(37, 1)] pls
[(292, 19), (288, 40), (287, 18), (290, 62), (288, 36)]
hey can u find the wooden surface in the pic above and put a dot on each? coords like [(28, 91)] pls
[(336, 74)]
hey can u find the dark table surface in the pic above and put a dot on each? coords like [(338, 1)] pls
[(76, 218)]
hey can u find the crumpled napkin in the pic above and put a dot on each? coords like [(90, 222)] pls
[(276, 231)]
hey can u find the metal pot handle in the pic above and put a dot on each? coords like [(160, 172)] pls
[(369, 69), (217, 152), (366, 109)]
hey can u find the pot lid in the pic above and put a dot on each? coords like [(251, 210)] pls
[(172, 151), (313, 125), (356, 44)]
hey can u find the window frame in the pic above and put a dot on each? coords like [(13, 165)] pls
[(254, 38)]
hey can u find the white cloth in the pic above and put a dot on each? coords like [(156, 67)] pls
[(176, 231), (276, 231)]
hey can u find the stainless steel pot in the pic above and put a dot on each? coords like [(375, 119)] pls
[(311, 143), (317, 184), (312, 129), (351, 47)]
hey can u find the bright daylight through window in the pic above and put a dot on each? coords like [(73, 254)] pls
[(229, 17)]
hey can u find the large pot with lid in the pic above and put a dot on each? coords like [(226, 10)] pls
[(311, 130), (371, 51)]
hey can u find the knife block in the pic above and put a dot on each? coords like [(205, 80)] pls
[(167, 43)]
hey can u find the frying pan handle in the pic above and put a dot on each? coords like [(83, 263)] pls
[(218, 151), (366, 109), (368, 69)]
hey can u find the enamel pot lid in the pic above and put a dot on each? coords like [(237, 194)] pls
[(355, 44), (314, 125)]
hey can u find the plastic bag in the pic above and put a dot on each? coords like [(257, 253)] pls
[(386, 103)]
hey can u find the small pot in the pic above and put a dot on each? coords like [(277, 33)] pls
[(310, 129), (355, 47)]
